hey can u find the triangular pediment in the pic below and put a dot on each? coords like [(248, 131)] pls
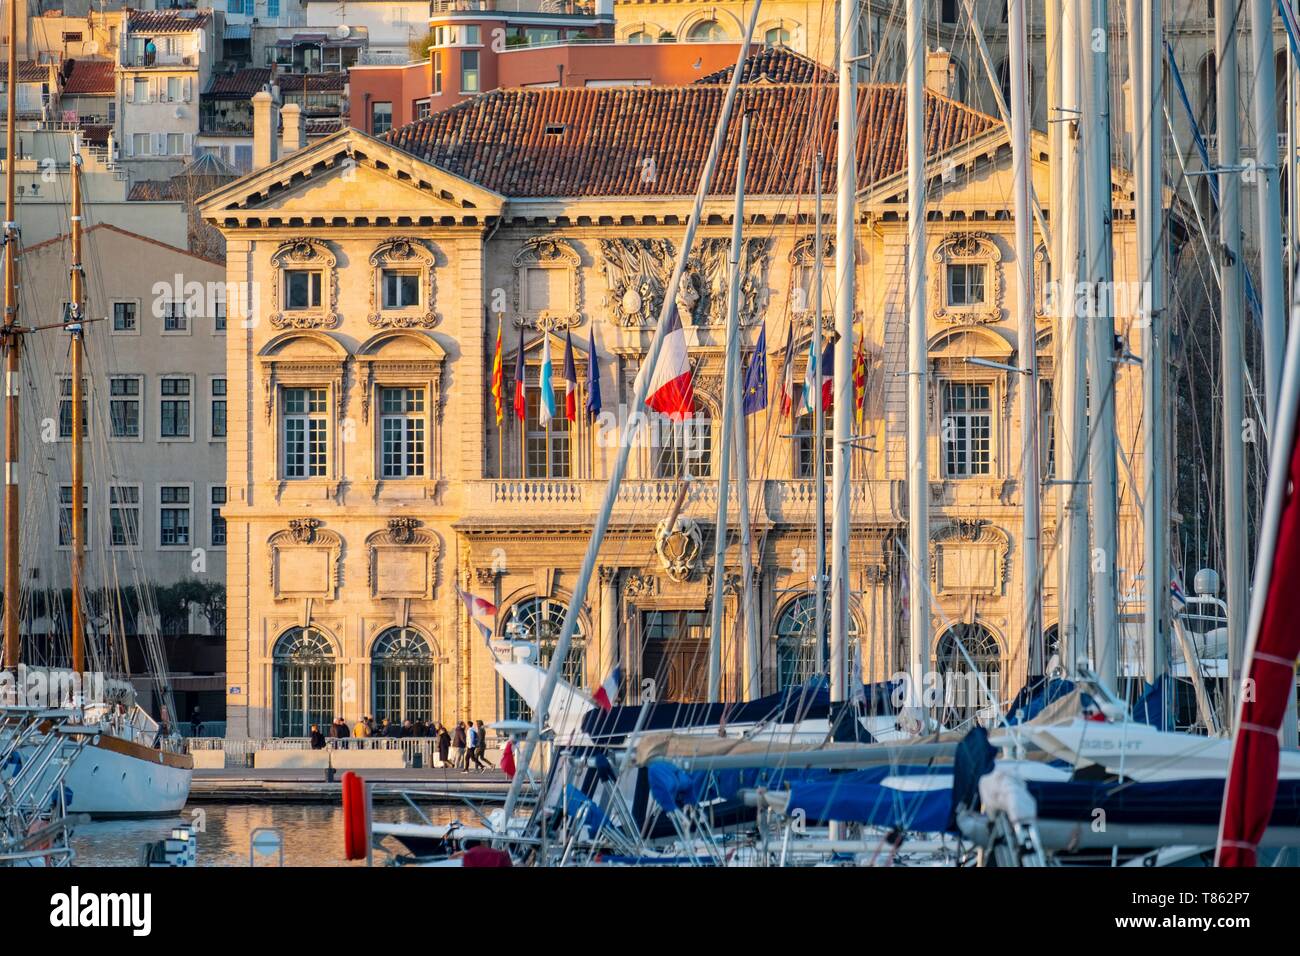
[(353, 175)]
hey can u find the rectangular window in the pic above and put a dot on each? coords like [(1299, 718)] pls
[(140, 92), (966, 283), (124, 406), (381, 118), (176, 144), (546, 450), (174, 411), (469, 71), (174, 516), (65, 409), (302, 289), (401, 289), (124, 317), (471, 36), (175, 316), (218, 408), (437, 73), (401, 425), (140, 144), (219, 314), (422, 108), (1047, 431), (175, 93), (65, 516), (124, 516), (683, 448), (805, 444), (217, 524), (272, 8), (967, 429), (305, 430)]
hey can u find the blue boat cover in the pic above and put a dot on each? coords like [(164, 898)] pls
[(860, 797), (1037, 693), (801, 702)]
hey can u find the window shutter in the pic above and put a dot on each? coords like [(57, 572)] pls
[(189, 143), (188, 88), (160, 144), (130, 91)]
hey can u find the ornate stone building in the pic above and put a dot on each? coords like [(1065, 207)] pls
[(368, 477)]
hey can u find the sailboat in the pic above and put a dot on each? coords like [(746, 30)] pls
[(130, 764)]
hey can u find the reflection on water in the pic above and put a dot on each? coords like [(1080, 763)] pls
[(312, 832)]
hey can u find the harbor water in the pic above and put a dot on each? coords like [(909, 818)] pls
[(312, 833)]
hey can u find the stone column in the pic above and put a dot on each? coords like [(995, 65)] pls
[(608, 620)]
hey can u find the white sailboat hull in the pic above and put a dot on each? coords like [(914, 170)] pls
[(113, 777)]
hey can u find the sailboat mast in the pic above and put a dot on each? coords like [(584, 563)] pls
[(918, 468), (12, 345), (752, 679), (76, 309), (1071, 429), (819, 428), (1031, 472), (1103, 479), (1268, 193), (846, 187), (1232, 346), (1149, 123), (730, 421)]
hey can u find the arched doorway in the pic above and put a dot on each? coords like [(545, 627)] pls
[(401, 676), (796, 640), (540, 620), (972, 681), (303, 666)]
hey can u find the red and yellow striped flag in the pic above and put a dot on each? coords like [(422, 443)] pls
[(498, 379), (860, 381)]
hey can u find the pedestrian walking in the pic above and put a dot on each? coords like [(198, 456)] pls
[(458, 745), (444, 746), (481, 751)]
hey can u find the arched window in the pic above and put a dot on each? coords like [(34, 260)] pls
[(540, 620), (964, 694), (640, 36), (401, 679), (777, 36), (303, 662), (796, 640), (684, 447), (706, 31), (1052, 644)]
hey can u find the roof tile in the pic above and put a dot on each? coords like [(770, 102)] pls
[(596, 141), (90, 78)]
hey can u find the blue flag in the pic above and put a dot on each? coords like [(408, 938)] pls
[(756, 376), (593, 380)]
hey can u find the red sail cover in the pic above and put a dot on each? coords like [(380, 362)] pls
[(1252, 775)]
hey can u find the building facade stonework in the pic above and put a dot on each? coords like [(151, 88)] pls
[(369, 479)]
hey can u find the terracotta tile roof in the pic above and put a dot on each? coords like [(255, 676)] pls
[(240, 85), (323, 127), (332, 82), (153, 190), (167, 21), (595, 142), (29, 71), (90, 78), (775, 65)]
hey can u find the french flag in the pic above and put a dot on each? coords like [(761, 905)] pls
[(482, 613), (570, 380), (671, 392), (607, 692)]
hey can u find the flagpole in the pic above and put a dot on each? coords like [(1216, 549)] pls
[(625, 446)]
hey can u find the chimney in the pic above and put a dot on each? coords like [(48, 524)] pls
[(294, 135), (938, 71), (265, 116)]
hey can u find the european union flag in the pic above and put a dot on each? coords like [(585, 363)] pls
[(756, 376)]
